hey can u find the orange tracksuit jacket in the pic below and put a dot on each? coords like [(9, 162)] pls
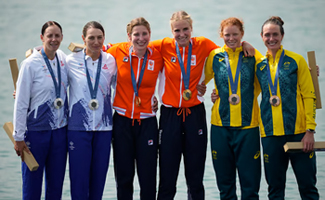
[(171, 85), (124, 96)]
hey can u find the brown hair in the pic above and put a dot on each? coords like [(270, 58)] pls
[(274, 20), (48, 24), (231, 21), (140, 21), (92, 24), (181, 15)]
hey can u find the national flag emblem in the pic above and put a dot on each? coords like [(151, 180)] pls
[(125, 59), (200, 132), (173, 59), (62, 64)]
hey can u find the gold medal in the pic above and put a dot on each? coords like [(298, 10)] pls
[(234, 99), (137, 101), (187, 94), (274, 100)]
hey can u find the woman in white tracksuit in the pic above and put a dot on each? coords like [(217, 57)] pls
[(91, 72), (40, 115)]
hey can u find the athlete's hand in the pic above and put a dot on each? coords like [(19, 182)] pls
[(201, 88), (155, 104), (248, 49), (21, 146), (317, 69), (308, 141), (214, 96)]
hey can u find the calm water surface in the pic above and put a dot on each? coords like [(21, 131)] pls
[(20, 25)]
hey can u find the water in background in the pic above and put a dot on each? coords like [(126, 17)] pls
[(20, 26)]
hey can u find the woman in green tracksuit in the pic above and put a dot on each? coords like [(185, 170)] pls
[(235, 140), (287, 114)]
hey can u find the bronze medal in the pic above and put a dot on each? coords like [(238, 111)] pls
[(137, 101), (93, 104), (274, 100), (187, 94), (234, 99)]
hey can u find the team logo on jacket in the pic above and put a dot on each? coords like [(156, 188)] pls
[(193, 60), (286, 66), (173, 59), (221, 59), (200, 132), (261, 68), (105, 67), (62, 64), (125, 59), (80, 66), (44, 68), (151, 65), (150, 142), (245, 60)]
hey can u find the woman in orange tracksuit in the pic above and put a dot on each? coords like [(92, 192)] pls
[(135, 132), (183, 128)]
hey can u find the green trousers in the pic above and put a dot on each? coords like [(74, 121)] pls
[(276, 164), (236, 149)]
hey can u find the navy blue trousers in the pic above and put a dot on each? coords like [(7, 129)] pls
[(50, 151), (89, 153), (182, 132), (135, 146)]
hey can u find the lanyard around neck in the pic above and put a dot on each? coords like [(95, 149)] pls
[(274, 86), (234, 84), (134, 83), (186, 75), (93, 91), (57, 85)]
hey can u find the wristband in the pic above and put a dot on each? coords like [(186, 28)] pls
[(311, 130)]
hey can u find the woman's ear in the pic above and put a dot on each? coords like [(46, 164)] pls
[(129, 37), (83, 38)]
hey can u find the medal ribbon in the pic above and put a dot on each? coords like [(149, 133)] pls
[(186, 76), (57, 85), (274, 86), (134, 82), (93, 91), (233, 85)]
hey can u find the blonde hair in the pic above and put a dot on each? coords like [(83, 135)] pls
[(181, 15)]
